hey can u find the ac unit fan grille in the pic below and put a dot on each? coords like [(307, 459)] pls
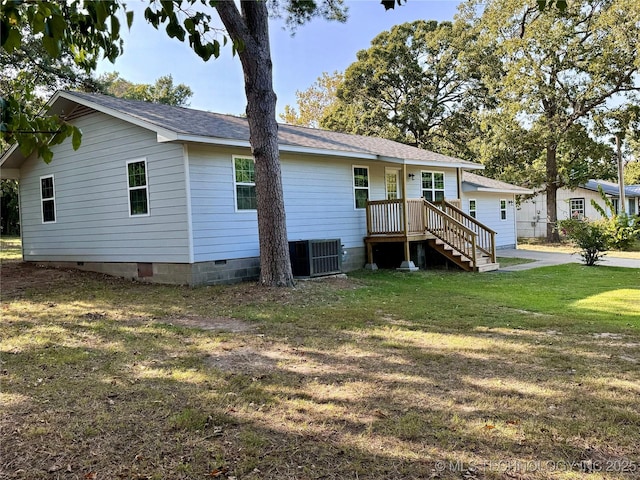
[(314, 258)]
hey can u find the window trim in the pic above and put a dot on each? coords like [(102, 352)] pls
[(434, 190), (353, 183), (584, 206), (473, 213), (42, 200), (246, 184), (145, 187), (503, 210)]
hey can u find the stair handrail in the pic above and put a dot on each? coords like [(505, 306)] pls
[(486, 235), (453, 232)]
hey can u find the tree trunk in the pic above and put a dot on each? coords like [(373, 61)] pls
[(250, 30), (552, 189)]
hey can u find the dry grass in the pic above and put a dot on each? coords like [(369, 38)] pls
[(527, 375)]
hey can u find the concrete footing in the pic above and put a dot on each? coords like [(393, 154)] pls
[(407, 267)]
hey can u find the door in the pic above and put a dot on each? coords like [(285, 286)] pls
[(392, 185), (392, 190)]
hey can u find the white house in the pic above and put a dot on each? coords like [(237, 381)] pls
[(573, 203), (166, 194)]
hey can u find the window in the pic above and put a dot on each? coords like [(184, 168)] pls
[(576, 208), (503, 209), (433, 186), (616, 205), (48, 198), (473, 208), (138, 191), (245, 178), (361, 186)]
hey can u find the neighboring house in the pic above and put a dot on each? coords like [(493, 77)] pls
[(576, 203), (166, 194)]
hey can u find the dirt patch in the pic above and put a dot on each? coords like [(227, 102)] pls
[(219, 324)]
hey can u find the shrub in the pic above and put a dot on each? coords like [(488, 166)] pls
[(592, 238), (622, 229)]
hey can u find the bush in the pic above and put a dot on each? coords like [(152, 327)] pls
[(623, 231), (592, 238)]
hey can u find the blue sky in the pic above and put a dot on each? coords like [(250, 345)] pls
[(317, 47)]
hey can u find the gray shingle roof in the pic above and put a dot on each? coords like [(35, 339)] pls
[(199, 123), (490, 183)]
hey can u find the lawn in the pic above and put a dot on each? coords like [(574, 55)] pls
[(381, 375)]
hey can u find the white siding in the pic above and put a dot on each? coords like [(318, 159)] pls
[(532, 214), (318, 194), (92, 203), (414, 186), (488, 213)]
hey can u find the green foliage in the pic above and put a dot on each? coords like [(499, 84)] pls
[(34, 132), (88, 28), (622, 229), (314, 103), (558, 70), (632, 173), (415, 84), (9, 216), (162, 91), (591, 237), (46, 46)]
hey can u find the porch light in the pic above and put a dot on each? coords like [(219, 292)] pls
[(411, 176)]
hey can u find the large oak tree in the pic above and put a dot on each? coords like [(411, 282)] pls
[(560, 68), (415, 84)]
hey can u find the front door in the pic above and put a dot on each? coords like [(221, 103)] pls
[(392, 184)]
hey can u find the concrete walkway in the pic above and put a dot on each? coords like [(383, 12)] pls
[(543, 259)]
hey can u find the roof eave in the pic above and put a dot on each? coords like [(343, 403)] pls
[(433, 163), (516, 191)]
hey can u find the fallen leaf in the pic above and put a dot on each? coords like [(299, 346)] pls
[(218, 472), (91, 476), (489, 427), (512, 422)]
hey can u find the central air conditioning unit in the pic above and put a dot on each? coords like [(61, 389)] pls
[(315, 258)]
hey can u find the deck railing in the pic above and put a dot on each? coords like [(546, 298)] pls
[(451, 231), (486, 237), (443, 220), (387, 217)]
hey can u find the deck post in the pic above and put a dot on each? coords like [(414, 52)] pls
[(493, 247), (370, 264), (405, 214)]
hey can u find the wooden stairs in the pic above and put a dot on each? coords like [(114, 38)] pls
[(482, 262), (456, 235)]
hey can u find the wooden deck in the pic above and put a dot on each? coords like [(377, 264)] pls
[(449, 230)]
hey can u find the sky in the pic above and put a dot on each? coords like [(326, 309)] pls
[(317, 47)]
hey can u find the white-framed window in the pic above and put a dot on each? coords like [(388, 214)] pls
[(576, 208), (433, 186), (360, 186), (503, 209), (138, 187), (48, 199), (473, 208), (244, 175)]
